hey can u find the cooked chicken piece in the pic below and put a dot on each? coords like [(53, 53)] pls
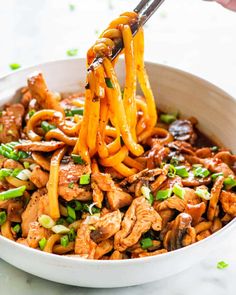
[(217, 225), (203, 235), (23, 241), (35, 234), (45, 98), (203, 226), (43, 206), (205, 152), (216, 165), (138, 219), (84, 245), (31, 212), (11, 122), (171, 203), (14, 210), (106, 226), (166, 215), (196, 211), (176, 236), (11, 164), (228, 202), (116, 255), (147, 254), (70, 173), (227, 158), (41, 146), (183, 130), (170, 182), (104, 181), (193, 182), (215, 194), (26, 97), (117, 198), (103, 248), (158, 182), (97, 195), (39, 177)]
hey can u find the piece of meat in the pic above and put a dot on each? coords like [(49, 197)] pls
[(11, 122), (117, 198), (138, 219), (43, 206), (173, 202), (205, 152), (195, 211), (35, 234), (75, 193), (104, 181), (182, 130), (228, 202), (146, 174), (45, 98), (84, 245), (181, 147), (103, 248), (11, 164), (14, 210), (147, 254), (215, 194), (116, 255), (215, 165), (23, 241), (39, 177), (98, 195), (106, 227), (166, 215), (227, 158), (39, 146)]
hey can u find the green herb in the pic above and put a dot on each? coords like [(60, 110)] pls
[(174, 161), (77, 159), (146, 243), (7, 150), (42, 243), (164, 194), (171, 171), (64, 241), (181, 171), (46, 221), (3, 217), (60, 229), (26, 165), (215, 175), (69, 220), (203, 193), (71, 113), (84, 179), (109, 83), (5, 173), (15, 172), (31, 113), (78, 206), (71, 213), (147, 194), (47, 127), (178, 191), (17, 228), (201, 172), (71, 234), (12, 193), (72, 7), (72, 52), (229, 183), (14, 66), (222, 265), (61, 221), (71, 185), (91, 209), (214, 148), (168, 118)]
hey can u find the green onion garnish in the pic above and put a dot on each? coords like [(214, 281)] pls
[(178, 191), (71, 234), (72, 52), (146, 243), (47, 127), (3, 217), (229, 183), (201, 172), (5, 173), (69, 220), (147, 194), (171, 171), (168, 118), (164, 194), (17, 228), (71, 113), (61, 221), (71, 213), (14, 66), (91, 208), (222, 265), (42, 243), (26, 165), (203, 193), (109, 83), (60, 229), (215, 175), (181, 171), (77, 159), (12, 193), (31, 113), (78, 206), (46, 221), (71, 185), (64, 241), (174, 161), (72, 7), (7, 150), (84, 179), (214, 148)]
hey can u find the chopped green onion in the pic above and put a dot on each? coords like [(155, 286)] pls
[(78, 206), (71, 213), (15, 172), (168, 118), (12, 193), (46, 221), (42, 243), (146, 243), (203, 193), (69, 220), (71, 113), (31, 113), (64, 241), (229, 183), (47, 127), (61, 221), (91, 208), (77, 159), (84, 179), (201, 172), (14, 66), (7, 151), (72, 7), (72, 52), (174, 161), (222, 265), (147, 194), (164, 194), (5, 173), (17, 228), (109, 83), (178, 191), (24, 174), (214, 148), (181, 171), (60, 229), (3, 217), (171, 171), (71, 234), (71, 185), (215, 175), (26, 165)]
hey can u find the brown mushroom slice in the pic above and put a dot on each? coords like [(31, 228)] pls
[(228, 202), (215, 194), (182, 130)]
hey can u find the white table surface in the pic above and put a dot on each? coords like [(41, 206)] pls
[(192, 35)]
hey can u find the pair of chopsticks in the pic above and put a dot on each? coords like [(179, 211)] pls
[(145, 10)]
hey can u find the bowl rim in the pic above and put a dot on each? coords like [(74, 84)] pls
[(135, 261)]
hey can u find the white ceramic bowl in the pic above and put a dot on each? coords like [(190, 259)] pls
[(174, 90)]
